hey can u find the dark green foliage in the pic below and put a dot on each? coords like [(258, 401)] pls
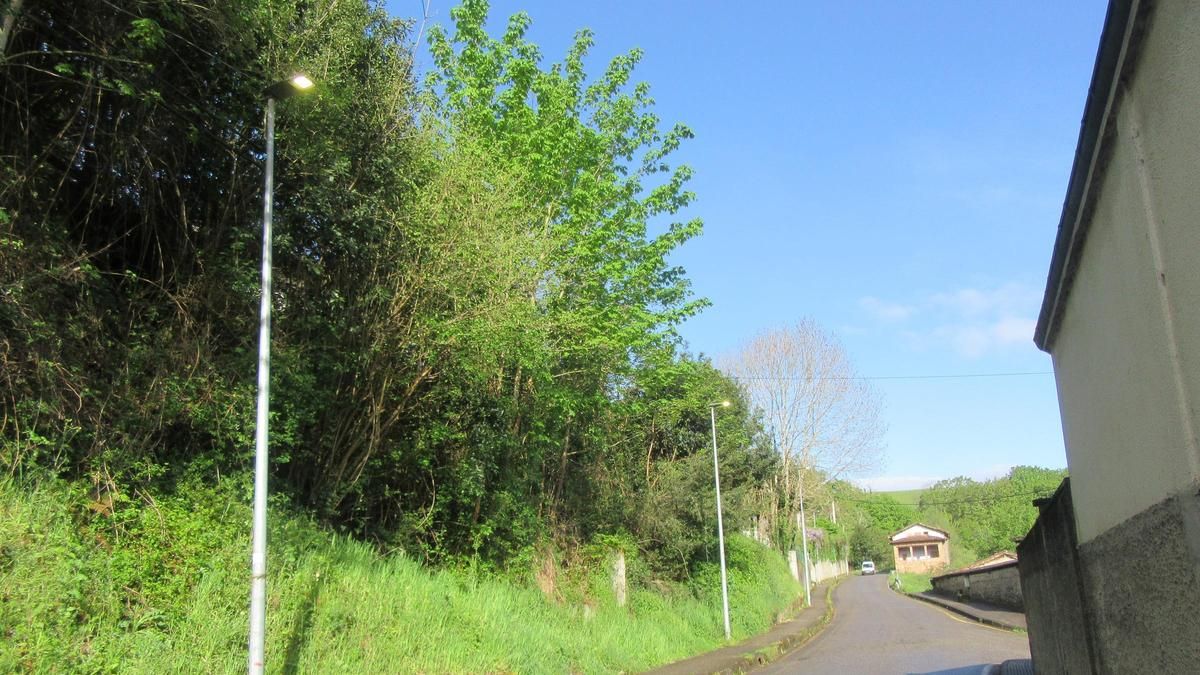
[(127, 189), (871, 543)]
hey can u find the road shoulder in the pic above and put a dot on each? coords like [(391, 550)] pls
[(989, 615), (766, 647)]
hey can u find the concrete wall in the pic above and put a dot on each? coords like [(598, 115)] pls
[(1127, 350), (828, 569), (998, 585), (1058, 622), (818, 570), (1141, 584), (1124, 602)]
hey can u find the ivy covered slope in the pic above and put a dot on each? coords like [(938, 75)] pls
[(475, 363)]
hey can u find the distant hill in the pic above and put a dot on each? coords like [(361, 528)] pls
[(907, 497)]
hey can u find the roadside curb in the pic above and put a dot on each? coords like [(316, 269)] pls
[(963, 611), (772, 652), (759, 650)]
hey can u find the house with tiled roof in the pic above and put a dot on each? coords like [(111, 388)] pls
[(920, 549)]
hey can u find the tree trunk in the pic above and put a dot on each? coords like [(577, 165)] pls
[(9, 24)]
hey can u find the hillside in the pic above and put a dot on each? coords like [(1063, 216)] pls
[(905, 497), (143, 585)]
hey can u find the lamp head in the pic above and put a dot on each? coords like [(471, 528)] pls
[(289, 87), (720, 404)]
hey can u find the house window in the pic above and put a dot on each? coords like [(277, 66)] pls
[(904, 552), (919, 552), (933, 551)]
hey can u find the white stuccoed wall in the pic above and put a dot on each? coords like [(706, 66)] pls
[(1127, 352), (828, 569)]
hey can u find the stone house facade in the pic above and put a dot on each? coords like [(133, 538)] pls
[(920, 549)]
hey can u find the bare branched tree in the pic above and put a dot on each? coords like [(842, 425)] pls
[(826, 421)]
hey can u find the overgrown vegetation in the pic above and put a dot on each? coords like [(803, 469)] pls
[(475, 364), (477, 380), (474, 340), (166, 593)]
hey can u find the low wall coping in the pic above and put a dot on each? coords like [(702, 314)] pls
[(977, 570)]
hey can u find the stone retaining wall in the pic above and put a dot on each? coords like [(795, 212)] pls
[(998, 585)]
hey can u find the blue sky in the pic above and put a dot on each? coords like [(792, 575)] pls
[(893, 170)]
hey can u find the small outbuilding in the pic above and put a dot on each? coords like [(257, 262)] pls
[(994, 560), (920, 549)]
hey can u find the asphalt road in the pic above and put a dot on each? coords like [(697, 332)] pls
[(876, 630)]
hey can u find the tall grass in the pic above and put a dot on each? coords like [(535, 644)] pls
[(167, 591), (911, 582)]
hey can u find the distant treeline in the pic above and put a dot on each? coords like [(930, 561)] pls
[(982, 517)]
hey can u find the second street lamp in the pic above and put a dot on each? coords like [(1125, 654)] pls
[(712, 410), (258, 564)]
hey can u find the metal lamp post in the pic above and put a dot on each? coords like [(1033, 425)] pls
[(712, 410), (804, 541), (258, 580)]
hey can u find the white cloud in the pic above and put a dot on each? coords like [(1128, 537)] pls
[(893, 483), (970, 321), (1014, 330), (1006, 299), (974, 339), (887, 311)]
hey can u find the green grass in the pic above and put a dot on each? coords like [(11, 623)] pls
[(162, 587), (906, 497), (912, 583)]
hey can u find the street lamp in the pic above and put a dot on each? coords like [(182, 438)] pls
[(712, 410), (258, 575), (804, 541)]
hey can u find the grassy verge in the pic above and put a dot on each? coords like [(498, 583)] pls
[(161, 585), (911, 583)]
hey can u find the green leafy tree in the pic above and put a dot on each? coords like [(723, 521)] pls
[(606, 299), (869, 520), (990, 515)]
